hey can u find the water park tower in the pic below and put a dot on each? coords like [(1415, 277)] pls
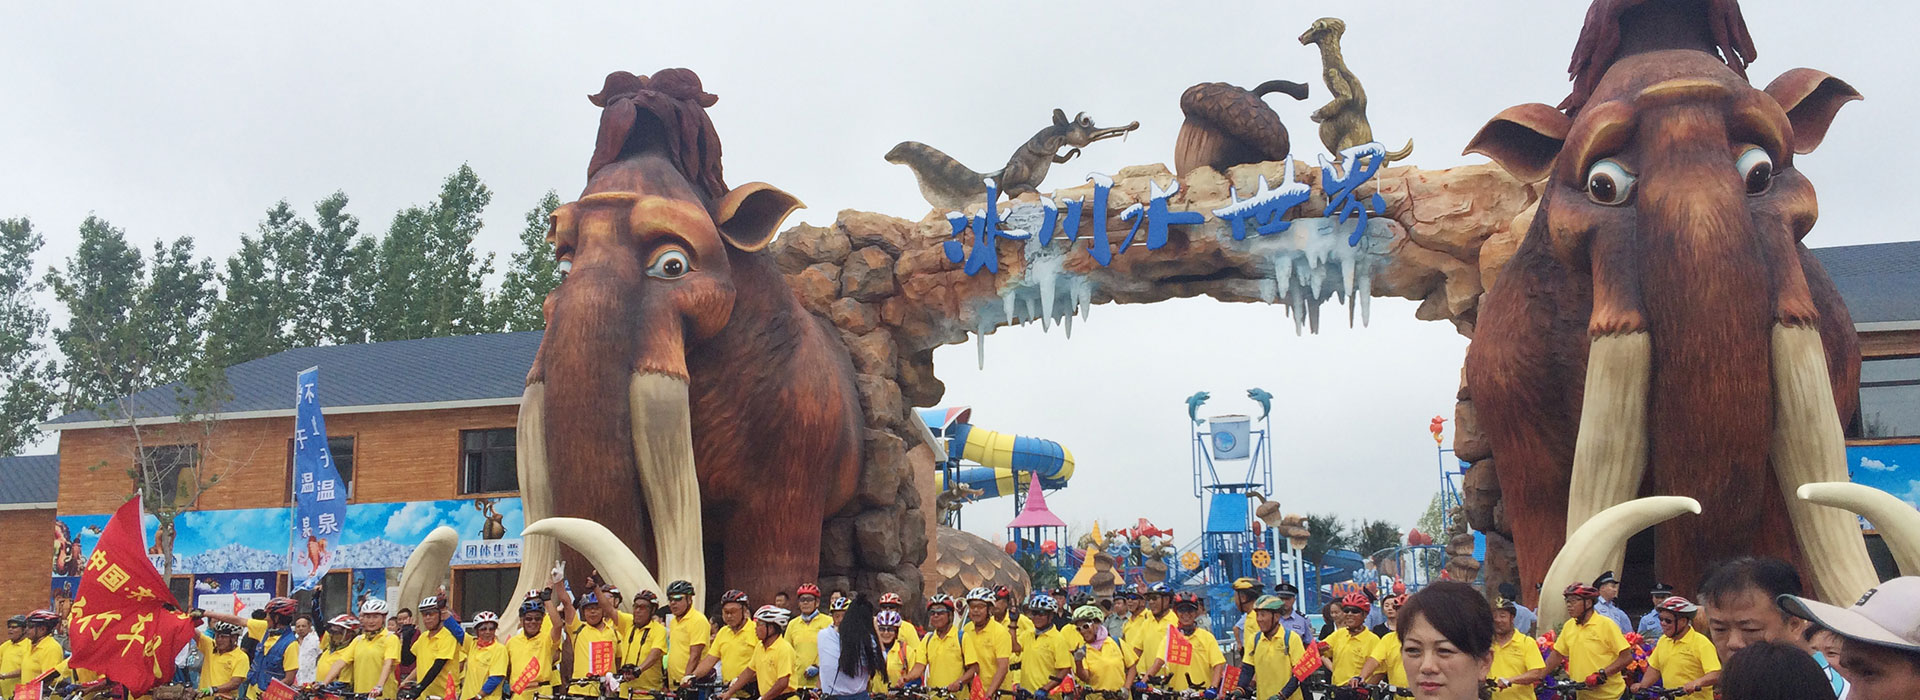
[(1232, 459)]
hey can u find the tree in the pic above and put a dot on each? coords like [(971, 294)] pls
[(247, 322), (1325, 532), (100, 287), (430, 281), (1431, 521), (342, 261), (1376, 535), (533, 274), (26, 378)]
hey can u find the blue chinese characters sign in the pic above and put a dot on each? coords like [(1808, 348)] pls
[(320, 501)]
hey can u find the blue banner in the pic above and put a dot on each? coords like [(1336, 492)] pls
[(319, 497)]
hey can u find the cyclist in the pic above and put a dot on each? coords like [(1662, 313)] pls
[(687, 631), (485, 660), (223, 666), (1153, 622), (436, 651), (373, 655), (277, 657), (989, 642), (945, 646), (1350, 646), (837, 610), (644, 648), (771, 666), (11, 651), (1245, 591), (733, 643), (1047, 656), (1649, 624), (596, 637), (1516, 656), (1291, 618), (908, 633), (1384, 660), (1100, 661), (905, 664), (1684, 657), (333, 647), (1006, 614), (1205, 663), (531, 653), (1273, 651), (1591, 646), (803, 633)]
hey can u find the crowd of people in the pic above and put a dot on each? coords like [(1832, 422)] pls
[(1751, 636)]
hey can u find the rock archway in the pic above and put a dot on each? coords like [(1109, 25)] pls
[(889, 288)]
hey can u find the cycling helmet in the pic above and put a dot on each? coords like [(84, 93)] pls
[(1358, 600), (1678, 606), (343, 621), (887, 599), (1043, 603), (1267, 602), (612, 589), (982, 594), (1002, 592), (1186, 599), (1088, 613), (839, 604), (807, 589), (886, 618), (734, 595), (1130, 591), (1580, 590), (225, 628), (590, 598), (773, 615), (647, 597), (1245, 584), (485, 617), (940, 600), (1159, 589), (431, 602), (679, 588), (43, 617), (1507, 604), (17, 621), (373, 606), (532, 606), (283, 606)]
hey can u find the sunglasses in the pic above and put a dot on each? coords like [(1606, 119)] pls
[(1085, 623)]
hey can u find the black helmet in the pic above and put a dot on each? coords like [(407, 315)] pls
[(17, 621), (680, 588)]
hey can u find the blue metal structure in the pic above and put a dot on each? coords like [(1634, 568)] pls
[(1225, 473)]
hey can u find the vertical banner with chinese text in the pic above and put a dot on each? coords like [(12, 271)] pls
[(320, 499)]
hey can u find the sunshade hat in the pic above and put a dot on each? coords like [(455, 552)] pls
[(1887, 616)]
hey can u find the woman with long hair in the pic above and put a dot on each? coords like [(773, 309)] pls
[(1446, 641), (850, 653)]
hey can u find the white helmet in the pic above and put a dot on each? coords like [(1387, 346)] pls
[(886, 618), (772, 614), (373, 606), (484, 617), (982, 594)]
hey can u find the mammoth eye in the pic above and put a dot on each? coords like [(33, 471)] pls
[(1756, 169), (670, 265), (1609, 183)]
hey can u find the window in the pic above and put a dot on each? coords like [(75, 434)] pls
[(484, 589), (169, 471), (1889, 398), (341, 447), (486, 461)]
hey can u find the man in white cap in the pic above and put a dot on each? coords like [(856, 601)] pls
[(1881, 656)]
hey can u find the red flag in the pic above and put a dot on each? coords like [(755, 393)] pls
[(527, 675), (1229, 679), (124, 623), (1309, 663), (279, 690), (32, 689), (1179, 648)]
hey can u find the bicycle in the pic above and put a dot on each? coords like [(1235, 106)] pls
[(1659, 693), (1562, 689)]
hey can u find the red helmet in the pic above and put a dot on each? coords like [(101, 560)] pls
[(1002, 592), (890, 599), (284, 606), (43, 617), (734, 596), (1356, 600), (647, 597), (1678, 606), (1580, 590), (807, 589), (1185, 598)]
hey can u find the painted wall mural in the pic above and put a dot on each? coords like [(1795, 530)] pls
[(1894, 469)]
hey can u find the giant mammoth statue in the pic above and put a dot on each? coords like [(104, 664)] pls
[(673, 343), (1662, 330)]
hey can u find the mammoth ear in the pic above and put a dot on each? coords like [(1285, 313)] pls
[(1059, 117), (1524, 139), (750, 214), (1811, 98)]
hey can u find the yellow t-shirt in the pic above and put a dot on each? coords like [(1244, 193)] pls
[(1387, 652), (1249, 626), (329, 657), (772, 662), (1146, 638), (1197, 673), (11, 652), (634, 649), (802, 635), (948, 656), (482, 662), (1519, 655), (42, 655), (1044, 655), (1273, 658), (596, 650), (1107, 665), (433, 646), (1021, 629), (989, 645), (217, 669), (901, 658), (1682, 660), (911, 635), (535, 652), (370, 654), (1590, 647), (682, 635), (1349, 652), (734, 648)]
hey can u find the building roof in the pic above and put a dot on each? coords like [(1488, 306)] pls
[(29, 481), (430, 373), (1880, 282)]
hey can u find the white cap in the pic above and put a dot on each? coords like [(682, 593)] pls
[(1887, 616)]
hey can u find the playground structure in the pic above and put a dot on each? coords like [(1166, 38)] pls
[(975, 463), (1232, 465)]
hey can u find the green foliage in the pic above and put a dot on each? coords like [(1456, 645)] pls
[(291, 284), (246, 323), (1324, 532), (532, 275), (1431, 522), (1042, 575), (26, 380), (429, 282), (1376, 535)]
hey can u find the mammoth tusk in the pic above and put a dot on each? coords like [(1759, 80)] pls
[(616, 562), (428, 565), (663, 446), (1604, 535), (1610, 454), (536, 501), (1898, 523), (1809, 447)]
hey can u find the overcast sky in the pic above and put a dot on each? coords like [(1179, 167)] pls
[(169, 120)]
